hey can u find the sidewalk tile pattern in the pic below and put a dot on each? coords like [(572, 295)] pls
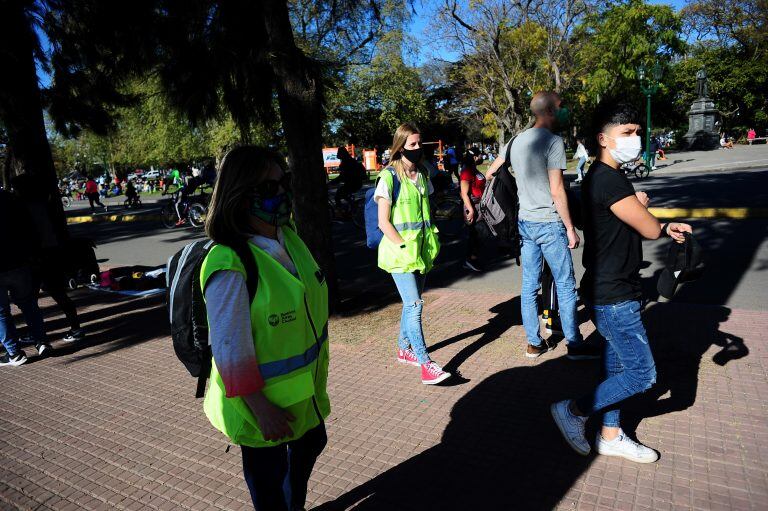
[(113, 424)]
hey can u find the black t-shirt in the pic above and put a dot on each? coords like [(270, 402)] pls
[(613, 250)]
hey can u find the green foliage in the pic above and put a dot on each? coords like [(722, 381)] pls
[(372, 101), (621, 38)]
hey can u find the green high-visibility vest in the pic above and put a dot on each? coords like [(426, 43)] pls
[(289, 324), (411, 217)]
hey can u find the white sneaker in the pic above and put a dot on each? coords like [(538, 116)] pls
[(625, 447), (571, 426)]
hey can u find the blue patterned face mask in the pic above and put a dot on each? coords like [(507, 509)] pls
[(275, 210)]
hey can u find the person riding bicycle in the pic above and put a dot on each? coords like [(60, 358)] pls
[(174, 179), (131, 194), (351, 174)]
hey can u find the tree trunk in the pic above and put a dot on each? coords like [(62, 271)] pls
[(21, 107), (300, 98)]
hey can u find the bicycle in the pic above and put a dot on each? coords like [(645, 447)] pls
[(135, 202), (637, 168), (353, 209), (193, 209)]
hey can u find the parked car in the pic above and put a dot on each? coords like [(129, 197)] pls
[(151, 174)]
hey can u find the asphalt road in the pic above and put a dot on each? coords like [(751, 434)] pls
[(736, 250)]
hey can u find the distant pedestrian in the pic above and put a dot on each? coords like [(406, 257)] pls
[(17, 283), (92, 192), (616, 220), (268, 384), (451, 162), (581, 155), (410, 244), (751, 135), (472, 186)]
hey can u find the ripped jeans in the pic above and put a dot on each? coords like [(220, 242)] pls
[(411, 286), (627, 363)]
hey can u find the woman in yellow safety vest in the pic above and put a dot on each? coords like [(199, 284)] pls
[(410, 245), (268, 380)]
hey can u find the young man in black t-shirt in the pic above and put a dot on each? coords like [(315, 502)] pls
[(616, 219)]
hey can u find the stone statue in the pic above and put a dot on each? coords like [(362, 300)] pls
[(702, 89)]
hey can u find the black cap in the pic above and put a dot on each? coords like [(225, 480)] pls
[(684, 264)]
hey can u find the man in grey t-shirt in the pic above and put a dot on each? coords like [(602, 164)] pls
[(538, 159)]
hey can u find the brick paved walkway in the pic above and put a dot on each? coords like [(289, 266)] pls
[(113, 424)]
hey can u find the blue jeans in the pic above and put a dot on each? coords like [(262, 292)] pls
[(277, 476), (628, 363), (580, 167), (21, 286), (547, 240), (411, 286)]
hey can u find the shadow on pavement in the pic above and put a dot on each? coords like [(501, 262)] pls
[(120, 326), (501, 450), (507, 315)]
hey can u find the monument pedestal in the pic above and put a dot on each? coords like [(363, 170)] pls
[(702, 133)]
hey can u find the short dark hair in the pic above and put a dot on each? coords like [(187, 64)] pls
[(610, 112), (613, 113)]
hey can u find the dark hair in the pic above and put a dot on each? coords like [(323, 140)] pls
[(241, 170), (469, 156), (610, 112)]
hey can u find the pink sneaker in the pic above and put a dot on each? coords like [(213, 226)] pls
[(432, 374), (407, 356)]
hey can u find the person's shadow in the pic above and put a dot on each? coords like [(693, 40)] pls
[(680, 335), (501, 449), (507, 315)]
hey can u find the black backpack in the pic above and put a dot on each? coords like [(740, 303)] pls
[(186, 306), (503, 189)]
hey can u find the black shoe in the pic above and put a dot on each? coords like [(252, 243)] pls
[(74, 335), (584, 352), (42, 348), (16, 360)]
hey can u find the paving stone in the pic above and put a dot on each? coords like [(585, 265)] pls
[(113, 424)]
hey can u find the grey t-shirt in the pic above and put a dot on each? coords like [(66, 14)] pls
[(534, 152)]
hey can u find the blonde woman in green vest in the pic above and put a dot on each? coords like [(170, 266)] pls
[(410, 245), (268, 381)]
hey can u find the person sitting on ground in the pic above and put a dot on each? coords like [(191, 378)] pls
[(472, 186), (616, 219), (725, 142), (351, 174)]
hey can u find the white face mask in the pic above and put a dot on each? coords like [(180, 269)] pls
[(627, 149)]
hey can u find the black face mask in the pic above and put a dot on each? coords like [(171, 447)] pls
[(413, 155)]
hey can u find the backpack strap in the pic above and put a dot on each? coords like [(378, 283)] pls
[(395, 186), (252, 283)]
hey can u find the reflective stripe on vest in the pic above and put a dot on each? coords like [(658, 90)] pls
[(288, 365), (413, 226)]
